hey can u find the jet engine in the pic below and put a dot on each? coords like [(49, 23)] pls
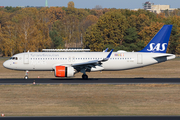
[(62, 71)]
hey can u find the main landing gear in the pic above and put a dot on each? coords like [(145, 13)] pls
[(26, 75), (84, 77)]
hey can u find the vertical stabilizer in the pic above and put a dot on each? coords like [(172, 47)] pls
[(160, 41)]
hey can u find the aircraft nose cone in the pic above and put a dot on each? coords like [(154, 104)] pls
[(5, 64)]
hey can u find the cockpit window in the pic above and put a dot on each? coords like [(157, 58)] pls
[(13, 58)]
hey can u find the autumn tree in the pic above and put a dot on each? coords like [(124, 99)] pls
[(174, 43), (11, 9), (131, 42), (149, 32), (33, 32), (110, 29), (90, 20), (139, 22), (4, 17), (33, 29), (68, 28), (58, 12), (8, 39), (93, 39), (71, 4), (56, 40)]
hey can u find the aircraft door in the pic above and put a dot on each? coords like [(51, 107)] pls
[(139, 59), (26, 58)]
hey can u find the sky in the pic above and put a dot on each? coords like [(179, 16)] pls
[(122, 4)]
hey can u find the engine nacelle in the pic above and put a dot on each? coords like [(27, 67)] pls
[(62, 71)]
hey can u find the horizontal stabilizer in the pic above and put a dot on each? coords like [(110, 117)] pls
[(163, 55)]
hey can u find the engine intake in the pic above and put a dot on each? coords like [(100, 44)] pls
[(62, 71)]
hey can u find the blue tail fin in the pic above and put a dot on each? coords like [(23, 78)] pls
[(160, 41)]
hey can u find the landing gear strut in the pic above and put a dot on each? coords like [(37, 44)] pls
[(84, 77), (26, 75)]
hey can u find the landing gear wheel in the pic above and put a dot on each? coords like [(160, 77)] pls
[(26, 77), (84, 77)]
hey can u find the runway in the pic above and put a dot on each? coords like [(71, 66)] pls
[(91, 81)]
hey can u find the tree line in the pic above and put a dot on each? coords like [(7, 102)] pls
[(34, 29)]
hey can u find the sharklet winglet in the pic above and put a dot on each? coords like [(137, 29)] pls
[(108, 56), (106, 50)]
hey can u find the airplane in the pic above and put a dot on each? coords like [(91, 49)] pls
[(67, 64)]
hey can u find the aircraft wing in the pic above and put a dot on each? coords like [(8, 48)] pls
[(90, 64)]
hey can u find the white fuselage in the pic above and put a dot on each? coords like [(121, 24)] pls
[(46, 61)]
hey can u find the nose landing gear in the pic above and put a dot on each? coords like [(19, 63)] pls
[(26, 75)]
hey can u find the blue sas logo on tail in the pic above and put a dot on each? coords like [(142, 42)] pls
[(160, 41), (157, 47)]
